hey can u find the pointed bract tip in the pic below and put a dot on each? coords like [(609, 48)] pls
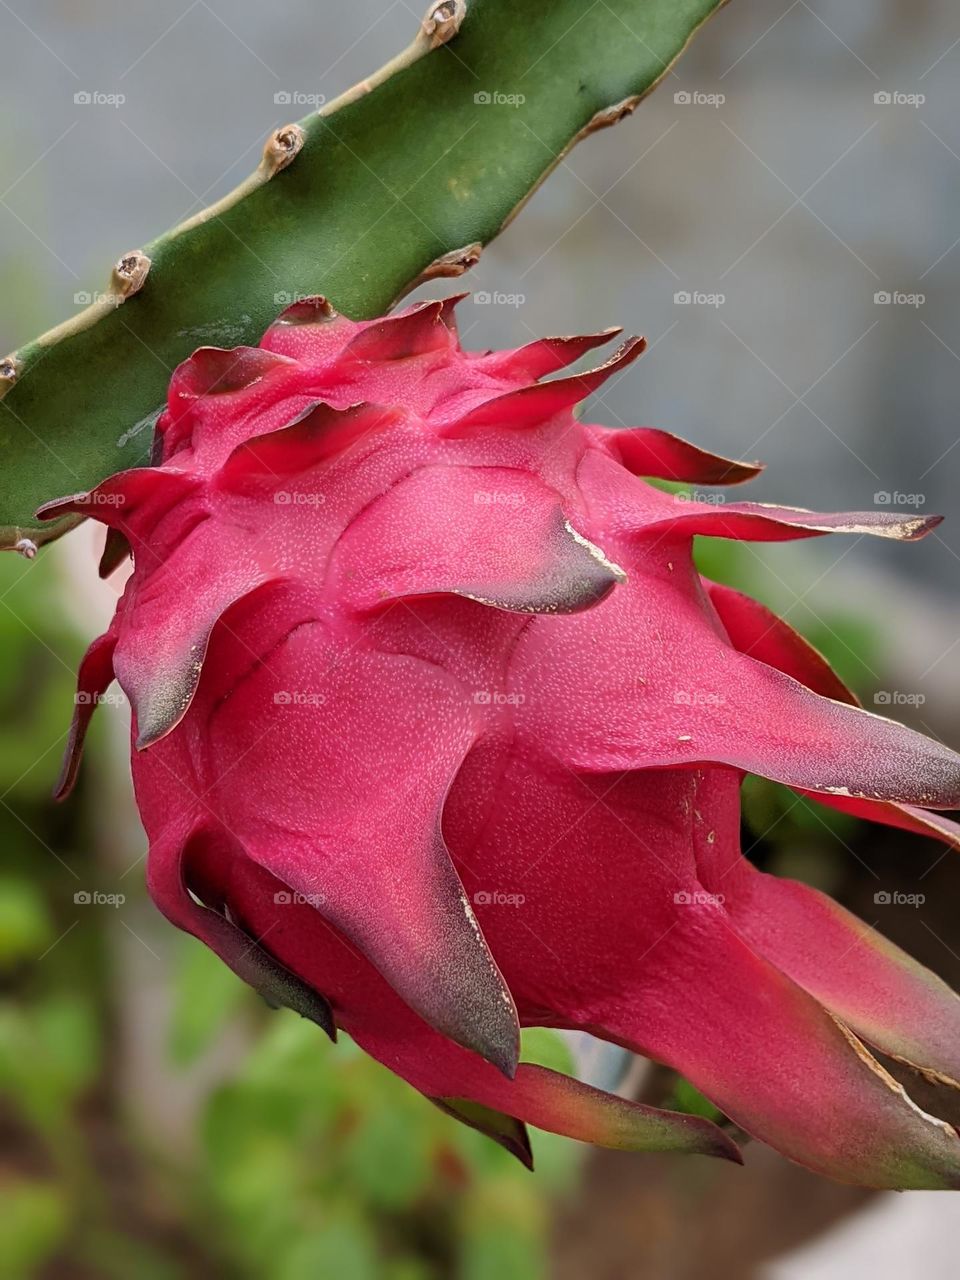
[(928, 525), (161, 706), (116, 549), (449, 305), (221, 371), (506, 1130), (306, 1002), (62, 506), (497, 1042), (506, 1058)]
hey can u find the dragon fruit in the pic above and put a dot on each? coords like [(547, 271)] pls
[(439, 733)]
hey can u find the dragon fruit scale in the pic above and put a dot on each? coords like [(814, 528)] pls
[(438, 733)]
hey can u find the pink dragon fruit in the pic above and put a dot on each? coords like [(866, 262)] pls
[(438, 733)]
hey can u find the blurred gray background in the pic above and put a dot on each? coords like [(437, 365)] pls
[(782, 185), (797, 198)]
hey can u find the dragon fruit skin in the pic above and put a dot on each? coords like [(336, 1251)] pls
[(438, 732)]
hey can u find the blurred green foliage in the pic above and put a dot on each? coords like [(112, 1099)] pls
[(306, 1160), (323, 1163)]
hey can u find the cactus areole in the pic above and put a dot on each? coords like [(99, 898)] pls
[(439, 733)]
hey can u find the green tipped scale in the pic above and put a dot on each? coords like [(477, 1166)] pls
[(404, 178)]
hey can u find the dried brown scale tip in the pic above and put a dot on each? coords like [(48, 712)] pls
[(612, 115), (130, 275), (9, 371), (315, 310), (449, 266), (116, 549), (443, 21), (282, 148)]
